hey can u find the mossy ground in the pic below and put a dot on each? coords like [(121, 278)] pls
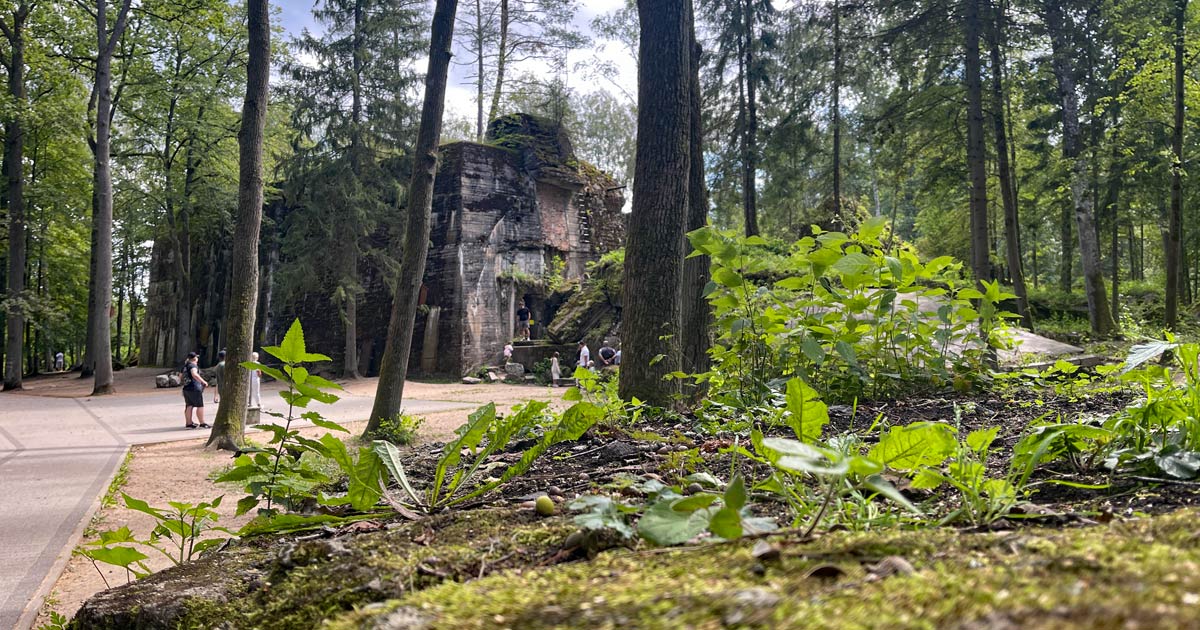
[(1135, 574)]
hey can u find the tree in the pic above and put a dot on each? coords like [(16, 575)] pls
[(1004, 165), (99, 333), (360, 60), (389, 394), (696, 318), (14, 159), (1099, 315), (976, 154), (229, 426), (1175, 221), (651, 318)]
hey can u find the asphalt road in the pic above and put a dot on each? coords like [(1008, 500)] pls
[(57, 457)]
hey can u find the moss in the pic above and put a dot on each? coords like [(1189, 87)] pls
[(1137, 574), (298, 582)]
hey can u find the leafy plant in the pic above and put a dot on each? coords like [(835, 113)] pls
[(177, 536), (454, 480), (602, 391), (401, 429), (845, 315), (278, 475)]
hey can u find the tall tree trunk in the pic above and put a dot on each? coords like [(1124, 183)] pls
[(976, 155), (696, 318), (14, 157), (229, 427), (479, 71), (501, 62), (1008, 188), (1112, 204), (836, 110), (390, 392), (1099, 314), (750, 142), (349, 239), (1175, 220), (654, 246), (102, 219), (1066, 263)]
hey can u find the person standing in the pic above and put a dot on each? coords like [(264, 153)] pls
[(607, 356), (508, 351), (585, 355), (218, 376), (555, 370), (523, 315), (58, 361), (193, 392), (255, 384)]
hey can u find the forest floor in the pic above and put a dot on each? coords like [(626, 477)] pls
[(180, 468), (1125, 556)]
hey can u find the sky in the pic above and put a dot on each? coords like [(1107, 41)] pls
[(296, 15)]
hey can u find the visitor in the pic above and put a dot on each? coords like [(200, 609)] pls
[(617, 358), (607, 356), (585, 355), (555, 370), (255, 384), (523, 317), (218, 376), (508, 350), (58, 361), (193, 392)]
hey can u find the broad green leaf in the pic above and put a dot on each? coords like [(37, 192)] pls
[(293, 344), (886, 489), (319, 421), (389, 456), (735, 494), (807, 415), (726, 523), (123, 557), (912, 446), (981, 439), (664, 526), (1144, 352), (695, 502)]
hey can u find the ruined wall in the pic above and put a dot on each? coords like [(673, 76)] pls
[(157, 344), (502, 212)]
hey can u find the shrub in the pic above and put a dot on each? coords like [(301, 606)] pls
[(401, 429)]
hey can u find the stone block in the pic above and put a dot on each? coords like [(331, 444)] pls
[(162, 380), (253, 416), (471, 380), (174, 379), (514, 369)]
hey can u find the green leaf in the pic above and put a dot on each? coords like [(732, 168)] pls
[(245, 504), (807, 415), (292, 347), (1144, 352), (389, 455), (813, 350), (981, 439), (319, 421), (704, 479), (664, 526), (913, 446), (695, 502), (572, 394), (853, 264), (726, 523), (119, 556), (735, 494), (143, 507), (1179, 464)]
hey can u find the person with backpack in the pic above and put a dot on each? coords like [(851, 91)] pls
[(193, 392)]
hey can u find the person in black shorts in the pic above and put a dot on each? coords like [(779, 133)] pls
[(523, 316), (193, 392)]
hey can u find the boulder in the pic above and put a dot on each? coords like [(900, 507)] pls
[(514, 369), (471, 380), (174, 379), (162, 380), (493, 377)]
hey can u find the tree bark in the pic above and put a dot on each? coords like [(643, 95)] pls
[(102, 218), (836, 110), (1008, 189), (14, 156), (980, 264), (229, 427), (696, 317), (652, 316), (394, 368), (501, 62), (1175, 220), (1099, 315), (750, 141)]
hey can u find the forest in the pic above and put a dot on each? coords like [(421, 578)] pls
[(903, 311)]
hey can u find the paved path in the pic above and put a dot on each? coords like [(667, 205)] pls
[(57, 456)]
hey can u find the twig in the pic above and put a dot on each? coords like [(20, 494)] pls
[(1176, 482)]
